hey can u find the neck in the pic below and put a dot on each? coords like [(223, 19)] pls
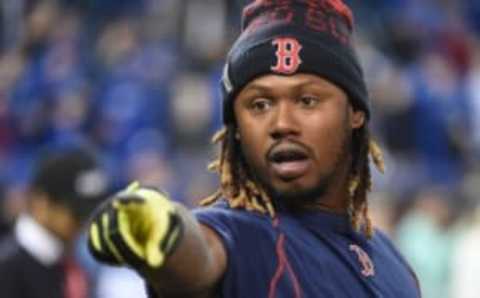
[(331, 202), (336, 197)]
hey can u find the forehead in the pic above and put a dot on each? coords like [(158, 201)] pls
[(282, 83)]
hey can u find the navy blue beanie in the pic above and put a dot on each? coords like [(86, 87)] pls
[(295, 36)]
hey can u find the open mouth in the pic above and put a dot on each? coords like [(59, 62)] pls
[(282, 156), (289, 161)]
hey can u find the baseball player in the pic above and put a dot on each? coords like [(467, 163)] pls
[(290, 218)]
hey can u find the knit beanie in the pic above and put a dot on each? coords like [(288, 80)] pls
[(286, 37)]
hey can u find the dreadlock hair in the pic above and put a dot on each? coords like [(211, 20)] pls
[(364, 148), (236, 185), (240, 190)]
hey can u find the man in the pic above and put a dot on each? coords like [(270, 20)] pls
[(291, 216), (37, 261)]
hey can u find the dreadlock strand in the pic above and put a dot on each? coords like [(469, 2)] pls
[(265, 201), (242, 200), (352, 188), (252, 188), (256, 205), (358, 207), (358, 185), (268, 203), (214, 166), (254, 195), (262, 198), (368, 175), (228, 181), (237, 201), (221, 164), (235, 186), (243, 197), (218, 166), (366, 152), (368, 221), (377, 156), (226, 176), (211, 199), (219, 135), (367, 187), (353, 185)]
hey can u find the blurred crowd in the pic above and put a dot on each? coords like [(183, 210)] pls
[(139, 79)]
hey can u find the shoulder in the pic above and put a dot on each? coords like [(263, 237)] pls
[(383, 241), (248, 239), (383, 244), (11, 255), (392, 252), (223, 214), (394, 257), (236, 227)]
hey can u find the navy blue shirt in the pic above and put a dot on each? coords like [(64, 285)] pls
[(310, 255)]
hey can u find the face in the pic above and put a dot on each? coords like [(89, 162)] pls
[(295, 134), (56, 217), (64, 222)]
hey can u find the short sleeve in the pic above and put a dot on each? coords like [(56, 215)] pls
[(222, 222), (239, 231)]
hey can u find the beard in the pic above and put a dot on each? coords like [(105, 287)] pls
[(300, 197), (295, 199)]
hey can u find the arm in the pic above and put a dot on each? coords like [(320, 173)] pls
[(196, 265), (161, 240)]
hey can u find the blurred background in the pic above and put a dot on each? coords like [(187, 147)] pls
[(140, 78)]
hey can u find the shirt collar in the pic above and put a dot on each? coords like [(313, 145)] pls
[(38, 241), (325, 222), (329, 223)]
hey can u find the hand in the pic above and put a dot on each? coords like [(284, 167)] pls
[(138, 227)]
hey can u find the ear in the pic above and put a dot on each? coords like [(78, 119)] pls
[(237, 135), (357, 118)]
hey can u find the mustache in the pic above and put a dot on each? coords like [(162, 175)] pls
[(288, 145)]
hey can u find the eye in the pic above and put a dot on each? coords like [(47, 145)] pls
[(308, 101), (260, 105)]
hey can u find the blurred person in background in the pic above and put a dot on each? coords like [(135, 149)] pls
[(37, 260), (427, 238), (465, 280)]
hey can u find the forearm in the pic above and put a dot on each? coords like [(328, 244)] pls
[(195, 265)]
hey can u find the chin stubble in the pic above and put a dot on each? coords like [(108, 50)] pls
[(321, 188)]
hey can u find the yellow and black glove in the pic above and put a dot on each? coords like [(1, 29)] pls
[(138, 227)]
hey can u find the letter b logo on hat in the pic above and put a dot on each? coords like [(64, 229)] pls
[(288, 55)]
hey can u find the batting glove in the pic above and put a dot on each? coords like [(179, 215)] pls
[(138, 227)]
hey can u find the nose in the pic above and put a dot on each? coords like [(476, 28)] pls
[(284, 121)]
